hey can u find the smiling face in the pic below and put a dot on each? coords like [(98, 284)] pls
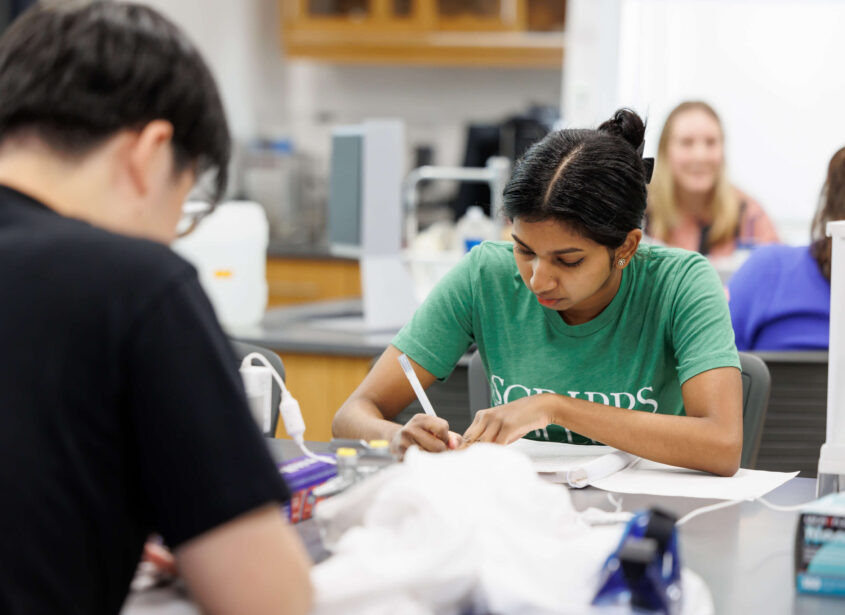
[(567, 271), (695, 151)]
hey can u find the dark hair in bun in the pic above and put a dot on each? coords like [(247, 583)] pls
[(592, 180)]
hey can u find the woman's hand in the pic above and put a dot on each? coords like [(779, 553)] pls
[(160, 557), (509, 422), (430, 433)]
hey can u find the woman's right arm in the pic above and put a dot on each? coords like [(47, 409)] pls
[(383, 394)]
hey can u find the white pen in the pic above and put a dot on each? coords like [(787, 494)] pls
[(415, 384)]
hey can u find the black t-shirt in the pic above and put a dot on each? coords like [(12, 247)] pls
[(121, 412)]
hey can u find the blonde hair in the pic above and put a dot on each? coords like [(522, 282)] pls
[(662, 196)]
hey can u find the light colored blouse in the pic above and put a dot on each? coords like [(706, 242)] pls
[(755, 228)]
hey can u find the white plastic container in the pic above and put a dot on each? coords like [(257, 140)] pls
[(473, 228), (229, 250)]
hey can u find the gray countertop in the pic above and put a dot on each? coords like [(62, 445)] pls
[(327, 327), (278, 249)]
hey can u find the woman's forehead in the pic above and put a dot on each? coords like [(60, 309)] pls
[(694, 122), (551, 235)]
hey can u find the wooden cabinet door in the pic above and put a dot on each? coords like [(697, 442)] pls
[(480, 15)]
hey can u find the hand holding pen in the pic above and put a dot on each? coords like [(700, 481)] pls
[(427, 431)]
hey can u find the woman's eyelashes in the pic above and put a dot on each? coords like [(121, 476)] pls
[(560, 261), (575, 264)]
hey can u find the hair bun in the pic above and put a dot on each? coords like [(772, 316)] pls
[(627, 125)]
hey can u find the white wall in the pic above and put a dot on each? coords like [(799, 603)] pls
[(266, 93), (772, 69)]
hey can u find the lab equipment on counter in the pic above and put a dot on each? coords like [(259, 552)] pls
[(229, 251), (313, 479), (820, 547), (644, 571), (427, 264), (832, 457), (495, 173), (365, 217), (258, 388), (270, 177), (355, 463), (473, 228)]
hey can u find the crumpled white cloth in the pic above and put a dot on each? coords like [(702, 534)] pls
[(468, 531)]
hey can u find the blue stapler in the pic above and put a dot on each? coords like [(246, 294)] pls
[(644, 571)]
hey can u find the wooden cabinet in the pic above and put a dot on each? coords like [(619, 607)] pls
[(305, 280), (321, 383), (434, 32)]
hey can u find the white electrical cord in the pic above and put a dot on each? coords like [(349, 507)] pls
[(288, 409), (706, 509)]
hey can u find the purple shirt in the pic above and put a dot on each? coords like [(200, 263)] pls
[(780, 300)]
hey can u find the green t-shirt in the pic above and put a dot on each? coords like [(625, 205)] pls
[(668, 322)]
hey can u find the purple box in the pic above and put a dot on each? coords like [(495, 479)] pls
[(302, 475)]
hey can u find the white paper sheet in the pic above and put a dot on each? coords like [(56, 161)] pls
[(652, 478), (554, 460)]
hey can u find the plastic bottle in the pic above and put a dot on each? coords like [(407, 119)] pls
[(347, 465), (229, 250), (473, 228)]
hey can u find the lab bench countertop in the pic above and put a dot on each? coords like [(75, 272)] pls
[(278, 249), (325, 328)]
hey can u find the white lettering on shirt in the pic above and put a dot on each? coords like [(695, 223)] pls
[(617, 400), (646, 401), (620, 399)]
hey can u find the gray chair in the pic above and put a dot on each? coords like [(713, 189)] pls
[(241, 350), (756, 385), (797, 416)]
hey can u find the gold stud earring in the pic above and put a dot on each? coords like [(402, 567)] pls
[(621, 263)]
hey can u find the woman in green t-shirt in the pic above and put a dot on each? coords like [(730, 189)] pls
[(576, 322)]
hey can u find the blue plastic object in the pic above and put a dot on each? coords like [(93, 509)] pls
[(644, 571)]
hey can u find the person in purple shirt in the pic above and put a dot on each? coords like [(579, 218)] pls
[(780, 297)]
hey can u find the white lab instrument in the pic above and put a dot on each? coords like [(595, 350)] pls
[(416, 385), (832, 456), (229, 250), (365, 217), (258, 387), (495, 174)]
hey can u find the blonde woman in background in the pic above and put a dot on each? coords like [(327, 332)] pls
[(691, 203)]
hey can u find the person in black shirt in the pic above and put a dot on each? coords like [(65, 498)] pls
[(121, 411)]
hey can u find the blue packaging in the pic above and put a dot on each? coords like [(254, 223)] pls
[(820, 547)]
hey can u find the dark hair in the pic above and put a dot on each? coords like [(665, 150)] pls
[(592, 180), (831, 207), (73, 74)]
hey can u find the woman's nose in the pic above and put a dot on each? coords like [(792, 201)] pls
[(542, 280)]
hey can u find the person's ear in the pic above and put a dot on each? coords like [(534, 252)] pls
[(626, 251), (150, 156)]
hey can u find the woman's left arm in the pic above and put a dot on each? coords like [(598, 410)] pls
[(708, 438)]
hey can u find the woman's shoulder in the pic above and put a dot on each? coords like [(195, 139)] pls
[(668, 271), (493, 254), (660, 257), (775, 255)]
